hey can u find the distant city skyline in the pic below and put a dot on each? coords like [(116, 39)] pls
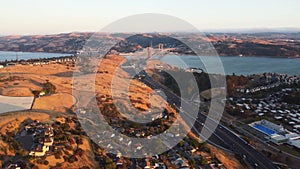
[(49, 17)]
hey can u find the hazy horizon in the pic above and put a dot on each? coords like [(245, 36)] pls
[(34, 17), (233, 30)]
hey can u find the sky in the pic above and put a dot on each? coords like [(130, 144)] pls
[(59, 16)]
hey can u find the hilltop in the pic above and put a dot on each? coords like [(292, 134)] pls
[(226, 44)]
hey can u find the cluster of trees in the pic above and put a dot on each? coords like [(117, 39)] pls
[(49, 88), (14, 145), (234, 81), (292, 98), (42, 161), (109, 164), (202, 79), (203, 82)]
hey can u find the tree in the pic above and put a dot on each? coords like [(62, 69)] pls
[(109, 164), (79, 152), (35, 167), (192, 162), (194, 143), (46, 162), (57, 154), (49, 88)]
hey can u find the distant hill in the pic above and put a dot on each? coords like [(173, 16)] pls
[(59, 43), (268, 44)]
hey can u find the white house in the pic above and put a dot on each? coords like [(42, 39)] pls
[(39, 151)]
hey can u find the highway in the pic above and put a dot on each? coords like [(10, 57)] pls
[(230, 140)]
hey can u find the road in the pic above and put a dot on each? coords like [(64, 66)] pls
[(231, 140)]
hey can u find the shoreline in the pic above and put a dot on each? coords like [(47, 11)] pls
[(250, 56), (36, 52), (238, 70), (177, 54)]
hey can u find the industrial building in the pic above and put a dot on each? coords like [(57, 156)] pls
[(276, 133)]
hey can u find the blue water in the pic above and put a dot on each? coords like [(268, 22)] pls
[(229, 64), (237, 65), (264, 129), (28, 55)]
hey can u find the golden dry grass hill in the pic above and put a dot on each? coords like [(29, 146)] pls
[(21, 80)]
